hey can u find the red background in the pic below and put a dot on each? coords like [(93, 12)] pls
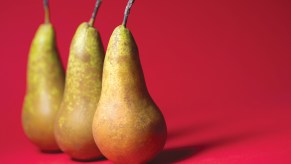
[(219, 70)]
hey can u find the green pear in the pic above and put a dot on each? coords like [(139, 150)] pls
[(73, 127), (45, 84), (128, 127)]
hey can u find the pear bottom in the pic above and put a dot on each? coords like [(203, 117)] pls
[(129, 136), (77, 149), (38, 125)]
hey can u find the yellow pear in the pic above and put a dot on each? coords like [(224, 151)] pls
[(128, 126), (45, 84), (73, 126)]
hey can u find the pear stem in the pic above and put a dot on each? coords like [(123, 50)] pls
[(46, 11), (127, 11), (92, 19)]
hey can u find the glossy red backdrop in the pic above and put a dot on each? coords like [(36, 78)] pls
[(219, 70)]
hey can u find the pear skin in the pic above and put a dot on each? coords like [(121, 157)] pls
[(128, 126), (73, 128), (45, 84)]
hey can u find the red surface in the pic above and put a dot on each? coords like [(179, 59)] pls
[(219, 70)]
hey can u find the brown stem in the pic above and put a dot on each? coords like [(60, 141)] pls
[(92, 19), (127, 11), (46, 12)]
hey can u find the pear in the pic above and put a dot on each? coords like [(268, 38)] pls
[(45, 85), (128, 127), (73, 127)]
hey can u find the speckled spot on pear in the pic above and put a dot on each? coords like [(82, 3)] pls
[(61, 121)]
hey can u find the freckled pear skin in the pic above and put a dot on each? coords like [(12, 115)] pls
[(45, 84), (128, 126), (73, 128)]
